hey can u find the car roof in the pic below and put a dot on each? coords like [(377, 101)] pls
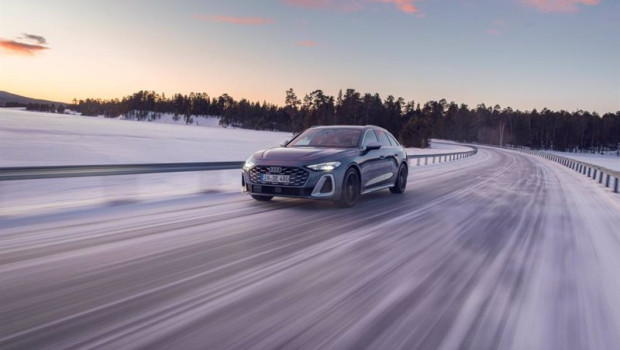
[(360, 127)]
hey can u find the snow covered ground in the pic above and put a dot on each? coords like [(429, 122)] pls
[(45, 139), (38, 139), (609, 161)]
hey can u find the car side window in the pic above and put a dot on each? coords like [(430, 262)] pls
[(383, 138), (393, 140), (369, 137)]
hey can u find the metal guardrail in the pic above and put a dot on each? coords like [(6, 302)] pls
[(590, 170), (52, 172), (444, 157)]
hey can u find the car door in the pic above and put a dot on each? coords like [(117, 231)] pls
[(370, 163), (388, 159)]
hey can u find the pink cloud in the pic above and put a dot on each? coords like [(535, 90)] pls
[(496, 28), (494, 32), (307, 43), (403, 5), (559, 5), (406, 6), (235, 20), (338, 5), (313, 4), (17, 48)]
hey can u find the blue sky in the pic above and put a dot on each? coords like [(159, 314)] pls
[(559, 54)]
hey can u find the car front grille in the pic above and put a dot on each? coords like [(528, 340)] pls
[(297, 176), (282, 191)]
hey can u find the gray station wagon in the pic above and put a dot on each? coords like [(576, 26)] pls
[(337, 163)]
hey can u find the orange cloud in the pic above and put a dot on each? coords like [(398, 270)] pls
[(559, 5), (17, 48), (403, 5), (235, 20), (307, 43)]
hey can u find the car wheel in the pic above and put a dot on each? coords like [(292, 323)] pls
[(350, 189), (401, 180), (262, 198)]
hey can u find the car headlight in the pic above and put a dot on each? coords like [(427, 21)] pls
[(248, 164), (329, 166)]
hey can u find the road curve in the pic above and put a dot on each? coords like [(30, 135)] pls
[(498, 251)]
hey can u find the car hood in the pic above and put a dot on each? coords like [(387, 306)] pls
[(301, 153)]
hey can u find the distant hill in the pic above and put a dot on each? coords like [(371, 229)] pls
[(7, 97)]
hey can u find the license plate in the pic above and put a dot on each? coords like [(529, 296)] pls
[(281, 179)]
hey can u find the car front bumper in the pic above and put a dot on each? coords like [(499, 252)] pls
[(319, 185)]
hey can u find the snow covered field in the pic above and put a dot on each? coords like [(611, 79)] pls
[(611, 162), (45, 139), (37, 139)]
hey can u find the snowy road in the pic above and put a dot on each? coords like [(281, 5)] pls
[(498, 251)]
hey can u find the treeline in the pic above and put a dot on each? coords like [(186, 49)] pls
[(40, 107), (412, 123)]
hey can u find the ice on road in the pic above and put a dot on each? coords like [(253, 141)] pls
[(502, 250)]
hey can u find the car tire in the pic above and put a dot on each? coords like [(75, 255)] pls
[(350, 189), (401, 180), (262, 198)]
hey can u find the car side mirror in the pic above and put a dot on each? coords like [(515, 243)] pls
[(371, 146), (284, 143)]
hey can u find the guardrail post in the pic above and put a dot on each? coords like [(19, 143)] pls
[(418, 162), (607, 181), (600, 177), (616, 186), (426, 158)]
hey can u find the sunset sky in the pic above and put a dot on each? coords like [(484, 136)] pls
[(559, 54)]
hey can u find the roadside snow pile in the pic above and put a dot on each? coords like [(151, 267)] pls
[(439, 147), (608, 161), (169, 118)]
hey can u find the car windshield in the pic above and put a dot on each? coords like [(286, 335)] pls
[(335, 138)]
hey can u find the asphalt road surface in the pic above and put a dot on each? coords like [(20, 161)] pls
[(498, 251)]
